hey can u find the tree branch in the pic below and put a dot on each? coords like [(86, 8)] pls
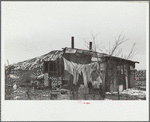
[(86, 43), (118, 42), (132, 51)]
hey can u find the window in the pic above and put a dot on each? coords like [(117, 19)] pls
[(49, 66), (125, 70), (45, 67), (52, 66), (121, 69), (118, 70)]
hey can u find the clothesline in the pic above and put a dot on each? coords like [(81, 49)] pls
[(77, 65), (76, 69)]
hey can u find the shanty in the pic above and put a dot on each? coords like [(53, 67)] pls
[(76, 73)]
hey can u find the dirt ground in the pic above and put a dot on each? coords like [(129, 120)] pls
[(128, 94), (35, 94)]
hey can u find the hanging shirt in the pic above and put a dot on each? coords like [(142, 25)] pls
[(84, 75), (75, 76), (89, 70), (95, 79), (68, 66), (94, 75), (77, 69)]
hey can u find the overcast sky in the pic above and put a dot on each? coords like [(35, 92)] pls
[(31, 29)]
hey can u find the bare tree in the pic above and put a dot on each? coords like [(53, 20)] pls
[(114, 50), (96, 46), (132, 51), (120, 40)]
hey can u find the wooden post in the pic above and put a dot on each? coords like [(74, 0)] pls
[(114, 77), (57, 69), (129, 75), (124, 83), (104, 80), (61, 73), (118, 83), (49, 74), (118, 92)]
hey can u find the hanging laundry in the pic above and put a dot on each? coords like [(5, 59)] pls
[(94, 84), (73, 68), (97, 65), (94, 75), (86, 71), (99, 81), (68, 66), (89, 70), (84, 75), (75, 76), (80, 81), (76, 69)]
